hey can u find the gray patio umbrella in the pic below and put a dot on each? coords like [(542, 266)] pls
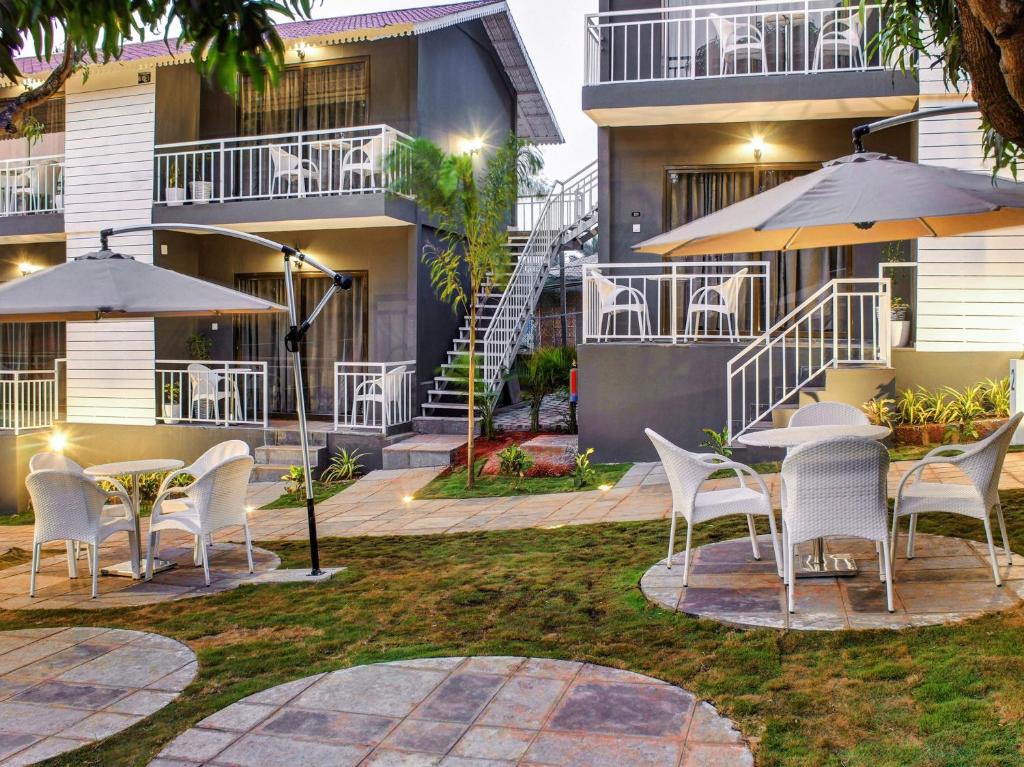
[(105, 284), (864, 197)]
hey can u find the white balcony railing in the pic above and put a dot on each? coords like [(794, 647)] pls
[(31, 185), (652, 301), (730, 39), (28, 399), (315, 163), (374, 396), (220, 392)]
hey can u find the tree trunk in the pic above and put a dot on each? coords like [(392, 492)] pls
[(471, 395), (12, 116), (993, 55)]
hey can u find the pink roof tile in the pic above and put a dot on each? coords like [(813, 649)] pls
[(294, 30)]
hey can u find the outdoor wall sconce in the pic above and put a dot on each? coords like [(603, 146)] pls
[(301, 49), (58, 442), (757, 147), (472, 145), (27, 268)]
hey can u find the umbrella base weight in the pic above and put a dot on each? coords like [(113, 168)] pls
[(124, 569), (829, 566)]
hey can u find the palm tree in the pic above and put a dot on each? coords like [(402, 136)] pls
[(471, 202)]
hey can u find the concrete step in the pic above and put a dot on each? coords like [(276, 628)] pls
[(269, 472), (422, 450), (317, 438), (287, 455), (437, 424)]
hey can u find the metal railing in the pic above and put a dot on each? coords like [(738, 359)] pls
[(730, 39), (222, 392), (374, 396), (32, 185), (314, 163), (28, 399), (844, 323), (656, 301), (568, 207)]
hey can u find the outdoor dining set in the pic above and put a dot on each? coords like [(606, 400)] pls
[(80, 505), (834, 485)]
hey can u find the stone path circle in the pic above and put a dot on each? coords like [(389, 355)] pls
[(63, 688), (465, 712), (948, 580)]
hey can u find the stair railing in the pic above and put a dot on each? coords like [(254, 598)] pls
[(567, 206), (846, 322)]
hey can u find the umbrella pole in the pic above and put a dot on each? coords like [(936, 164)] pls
[(293, 342)]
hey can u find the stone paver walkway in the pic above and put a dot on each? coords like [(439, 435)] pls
[(554, 414), (229, 569), (465, 712), (63, 688), (948, 580)]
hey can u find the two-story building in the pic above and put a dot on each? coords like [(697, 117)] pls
[(146, 140), (699, 105)]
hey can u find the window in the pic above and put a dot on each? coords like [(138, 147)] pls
[(696, 192), (50, 114), (308, 97)]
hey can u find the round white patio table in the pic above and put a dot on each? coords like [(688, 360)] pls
[(818, 566), (135, 469)]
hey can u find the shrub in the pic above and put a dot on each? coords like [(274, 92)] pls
[(879, 411), (997, 396), (717, 441), (296, 479), (344, 466), (514, 462), (585, 474), (543, 372)]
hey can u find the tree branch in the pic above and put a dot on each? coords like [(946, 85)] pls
[(12, 116)]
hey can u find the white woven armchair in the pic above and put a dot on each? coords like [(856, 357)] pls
[(69, 506), (686, 473), (215, 500), (722, 299), (829, 414), (385, 390), (982, 462), (836, 487), (609, 305)]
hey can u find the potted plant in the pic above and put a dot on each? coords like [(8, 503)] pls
[(172, 403), (58, 192), (899, 314), (202, 191), (174, 192)]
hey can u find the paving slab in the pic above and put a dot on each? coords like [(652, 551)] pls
[(464, 712), (67, 687)]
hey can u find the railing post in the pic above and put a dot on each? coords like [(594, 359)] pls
[(337, 404), (16, 398), (835, 324)]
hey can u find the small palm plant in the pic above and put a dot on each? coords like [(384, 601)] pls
[(541, 373), (345, 465), (471, 203)]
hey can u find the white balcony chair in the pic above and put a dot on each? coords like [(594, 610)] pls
[(206, 392), (836, 487), (284, 166), (722, 299), (364, 160), (384, 390), (69, 506), (608, 294), (215, 500), (737, 38), (840, 38), (829, 414), (982, 462), (687, 472)]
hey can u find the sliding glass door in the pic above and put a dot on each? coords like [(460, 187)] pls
[(338, 335)]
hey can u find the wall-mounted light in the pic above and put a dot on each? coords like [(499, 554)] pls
[(301, 49), (472, 145), (757, 147), (28, 83), (26, 267), (58, 442)]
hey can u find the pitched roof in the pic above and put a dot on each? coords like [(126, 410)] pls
[(535, 119)]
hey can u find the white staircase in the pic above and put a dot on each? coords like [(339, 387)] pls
[(844, 324), (568, 216)]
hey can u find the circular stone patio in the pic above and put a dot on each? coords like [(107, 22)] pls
[(465, 712), (949, 579), (63, 688), (228, 569)]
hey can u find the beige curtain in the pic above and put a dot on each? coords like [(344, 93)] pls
[(306, 98)]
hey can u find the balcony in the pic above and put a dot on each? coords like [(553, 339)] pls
[(31, 185), (735, 54)]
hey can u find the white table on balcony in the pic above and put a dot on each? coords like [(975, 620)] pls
[(820, 566), (135, 469), (327, 148)]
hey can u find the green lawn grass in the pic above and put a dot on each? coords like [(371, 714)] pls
[(453, 484), (930, 697), (321, 492)]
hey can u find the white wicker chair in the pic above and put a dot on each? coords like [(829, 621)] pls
[(384, 390), (982, 462), (69, 506), (738, 38), (722, 299), (686, 473), (608, 294), (365, 161), (829, 414), (212, 502), (841, 37), (836, 487), (284, 166)]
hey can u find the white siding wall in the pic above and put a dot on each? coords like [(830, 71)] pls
[(108, 181), (971, 288)]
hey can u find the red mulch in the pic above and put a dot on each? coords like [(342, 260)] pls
[(485, 448)]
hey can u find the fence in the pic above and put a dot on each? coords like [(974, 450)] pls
[(374, 395), (220, 392), (28, 399)]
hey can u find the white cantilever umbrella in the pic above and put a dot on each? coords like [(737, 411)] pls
[(108, 285), (864, 197)]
